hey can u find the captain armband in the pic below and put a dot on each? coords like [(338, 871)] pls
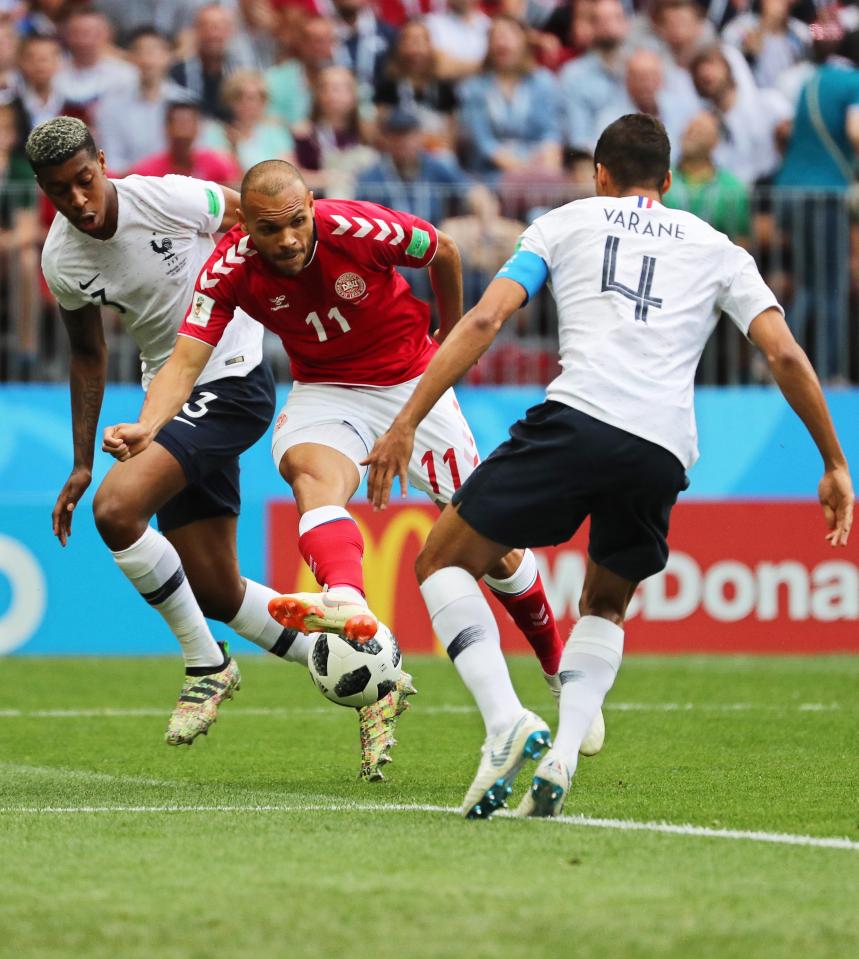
[(528, 270)]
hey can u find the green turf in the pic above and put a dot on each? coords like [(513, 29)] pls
[(752, 745)]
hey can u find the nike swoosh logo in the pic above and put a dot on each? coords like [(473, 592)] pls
[(499, 758), (88, 283)]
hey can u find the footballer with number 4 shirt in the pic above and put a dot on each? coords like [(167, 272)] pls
[(322, 275)]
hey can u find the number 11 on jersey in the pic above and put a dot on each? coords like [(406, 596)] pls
[(312, 319)]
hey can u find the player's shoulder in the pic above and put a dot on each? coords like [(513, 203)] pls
[(227, 262), (58, 247), (343, 222)]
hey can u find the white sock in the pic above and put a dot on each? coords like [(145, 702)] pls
[(520, 581), (254, 623), (155, 570), (465, 625), (589, 664)]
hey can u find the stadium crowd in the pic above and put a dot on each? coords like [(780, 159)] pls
[(474, 115)]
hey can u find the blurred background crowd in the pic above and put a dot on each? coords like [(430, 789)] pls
[(475, 115)]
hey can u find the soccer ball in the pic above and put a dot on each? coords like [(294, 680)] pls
[(355, 674)]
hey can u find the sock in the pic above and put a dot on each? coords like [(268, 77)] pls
[(589, 664), (524, 598), (333, 548), (254, 623), (464, 623), (155, 570)]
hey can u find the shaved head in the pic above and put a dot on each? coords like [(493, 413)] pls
[(271, 177)]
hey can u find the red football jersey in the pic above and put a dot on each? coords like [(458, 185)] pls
[(349, 317)]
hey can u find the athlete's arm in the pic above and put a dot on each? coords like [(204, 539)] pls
[(797, 380), (467, 342), (231, 209), (167, 392), (87, 375), (445, 273)]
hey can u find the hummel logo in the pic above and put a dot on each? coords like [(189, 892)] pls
[(278, 302), (541, 618)]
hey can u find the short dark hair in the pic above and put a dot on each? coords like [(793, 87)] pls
[(55, 141), (182, 103), (635, 150), (146, 30)]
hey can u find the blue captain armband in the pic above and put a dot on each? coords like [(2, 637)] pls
[(528, 270)]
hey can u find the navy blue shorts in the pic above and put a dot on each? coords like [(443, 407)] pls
[(561, 466), (218, 423)]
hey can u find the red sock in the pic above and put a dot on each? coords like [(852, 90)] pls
[(333, 550), (533, 615)]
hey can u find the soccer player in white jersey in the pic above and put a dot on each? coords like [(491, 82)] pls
[(136, 245), (639, 290)]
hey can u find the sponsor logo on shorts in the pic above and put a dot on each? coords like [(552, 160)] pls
[(201, 310), (350, 286), (280, 421)]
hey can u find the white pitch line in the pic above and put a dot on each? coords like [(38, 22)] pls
[(625, 825), (440, 710)]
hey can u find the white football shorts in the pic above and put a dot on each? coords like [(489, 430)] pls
[(351, 418)]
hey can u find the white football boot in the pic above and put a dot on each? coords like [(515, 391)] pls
[(502, 756), (595, 737), (548, 790)]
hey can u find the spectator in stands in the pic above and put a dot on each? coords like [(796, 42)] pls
[(182, 130), (250, 136), (330, 147), (254, 43), (702, 187), (460, 38), (42, 17), (91, 70), (821, 155), (646, 92), (772, 41), (203, 73), (749, 118), (363, 42), (19, 253), (290, 82), (8, 61), (131, 123), (411, 82), (595, 80), (510, 110), (172, 18), (39, 62), (408, 177)]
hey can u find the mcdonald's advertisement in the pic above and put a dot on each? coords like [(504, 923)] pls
[(749, 570)]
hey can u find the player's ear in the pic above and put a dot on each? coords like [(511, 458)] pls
[(666, 184), (240, 216), (310, 200), (101, 161)]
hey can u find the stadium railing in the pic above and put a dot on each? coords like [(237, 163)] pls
[(806, 244)]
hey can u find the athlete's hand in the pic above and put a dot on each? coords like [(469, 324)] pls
[(389, 458), (76, 485), (125, 440), (836, 497)]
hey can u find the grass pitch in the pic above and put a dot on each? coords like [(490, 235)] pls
[(258, 841)]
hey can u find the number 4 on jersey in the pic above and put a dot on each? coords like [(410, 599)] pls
[(640, 297)]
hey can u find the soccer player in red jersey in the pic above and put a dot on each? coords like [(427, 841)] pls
[(322, 275)]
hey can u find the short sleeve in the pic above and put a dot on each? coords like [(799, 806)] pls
[(213, 303), (533, 241), (64, 293), (383, 237), (529, 264), (744, 295), (189, 202)]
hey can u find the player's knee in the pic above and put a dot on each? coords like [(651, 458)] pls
[(119, 524), (221, 604)]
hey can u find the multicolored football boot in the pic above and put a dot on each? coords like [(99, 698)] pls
[(501, 758), (376, 723), (324, 612), (198, 704)]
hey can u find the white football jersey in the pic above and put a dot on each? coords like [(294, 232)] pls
[(147, 270), (639, 290)]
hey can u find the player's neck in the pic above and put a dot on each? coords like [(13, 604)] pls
[(646, 191), (111, 216)]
